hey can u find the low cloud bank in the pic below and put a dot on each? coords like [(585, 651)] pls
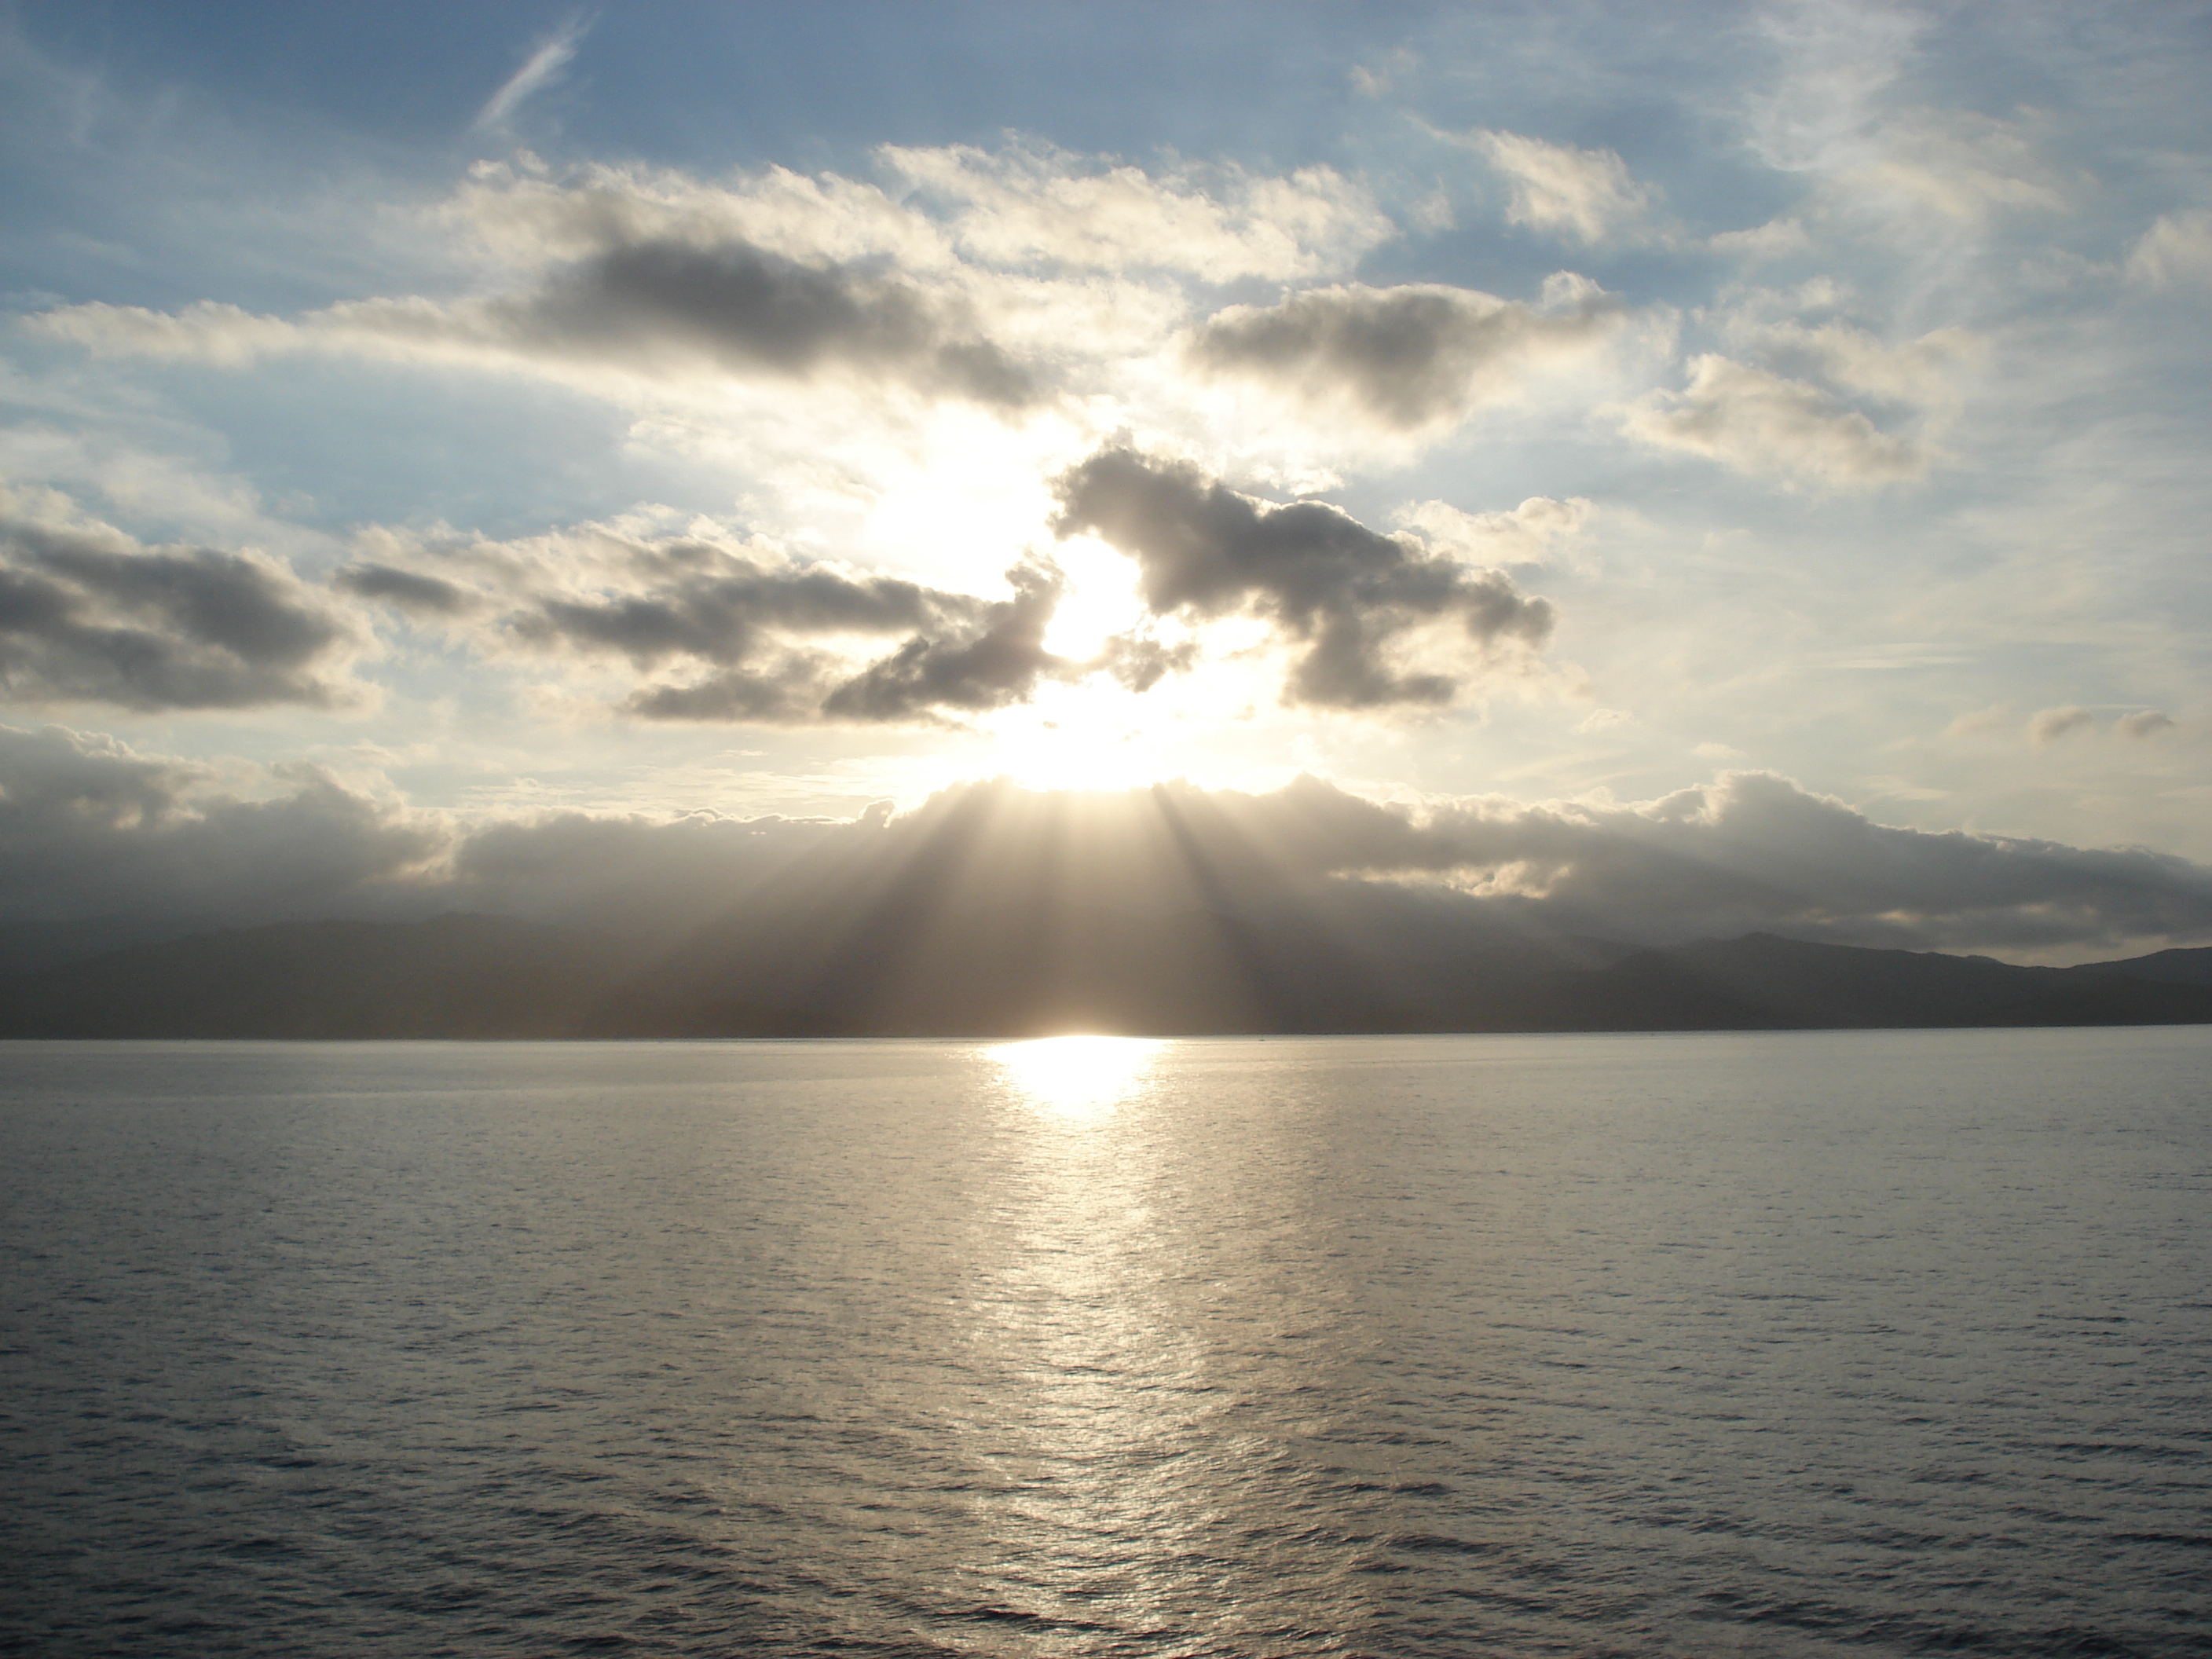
[(91, 831)]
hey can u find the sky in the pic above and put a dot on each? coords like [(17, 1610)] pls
[(1657, 471)]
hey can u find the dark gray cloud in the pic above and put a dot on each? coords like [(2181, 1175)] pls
[(698, 600), (1140, 661), (753, 312), (88, 830), (1346, 593), (89, 615), (407, 590), (996, 660), (1406, 357), (752, 629)]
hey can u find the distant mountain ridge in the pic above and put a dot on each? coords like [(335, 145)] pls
[(474, 976)]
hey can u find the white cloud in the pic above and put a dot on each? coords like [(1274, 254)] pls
[(1760, 422), (1540, 530), (1777, 239), (1921, 372), (1586, 194), (1024, 206), (2144, 723), (2177, 249)]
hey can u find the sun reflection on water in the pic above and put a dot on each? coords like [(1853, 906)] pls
[(1077, 1077)]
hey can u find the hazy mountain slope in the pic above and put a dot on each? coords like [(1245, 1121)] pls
[(912, 963), (452, 976)]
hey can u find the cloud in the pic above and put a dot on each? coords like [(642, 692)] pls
[(1539, 530), (1777, 239), (89, 614), (2175, 251), (1957, 167), (1586, 194), (1760, 422), (1919, 372), (996, 661), (1406, 357), (662, 309), (542, 68), (2144, 723), (1350, 598), (1754, 850), (768, 639), (89, 829), (406, 590), (2048, 726), (667, 304), (1029, 204), (626, 279)]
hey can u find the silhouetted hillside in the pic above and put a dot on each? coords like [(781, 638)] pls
[(1368, 964), (2186, 967)]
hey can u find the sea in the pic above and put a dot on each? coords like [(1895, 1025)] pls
[(1849, 1343)]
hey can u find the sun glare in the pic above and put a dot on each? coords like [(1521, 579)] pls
[(1076, 1076), (1100, 599), (1089, 736)]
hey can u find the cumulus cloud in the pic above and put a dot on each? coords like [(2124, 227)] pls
[(2144, 723), (1760, 422), (722, 630), (753, 312), (1405, 357), (87, 614), (2048, 726), (1586, 194), (1347, 595), (91, 829), (2176, 250)]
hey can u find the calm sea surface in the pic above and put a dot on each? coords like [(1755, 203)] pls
[(1852, 1344)]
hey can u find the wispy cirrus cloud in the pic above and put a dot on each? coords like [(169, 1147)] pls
[(542, 68)]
